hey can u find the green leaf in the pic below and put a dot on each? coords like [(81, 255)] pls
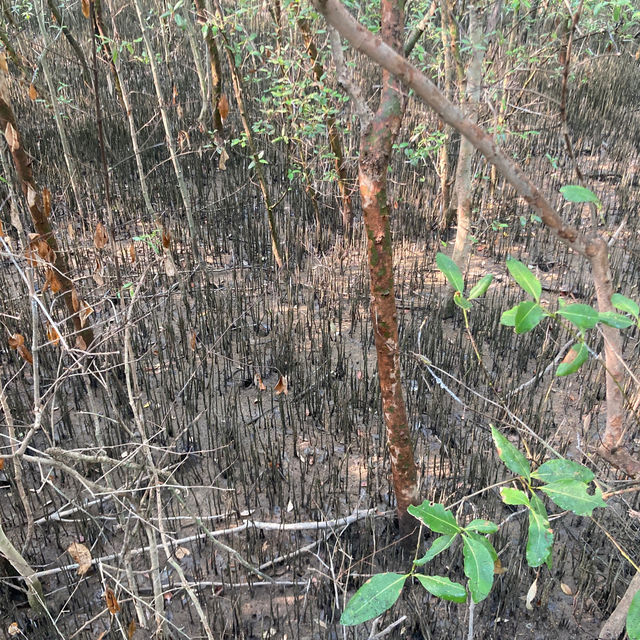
[(513, 459), (508, 318), (438, 546), (582, 315), (374, 597), (528, 316), (485, 543), (578, 355), (514, 496), (478, 567), (540, 538), (435, 517), (451, 271), (442, 587), (615, 320), (482, 526), (633, 618), (480, 288), (461, 301), (572, 495), (625, 304), (561, 469), (576, 193), (523, 276)]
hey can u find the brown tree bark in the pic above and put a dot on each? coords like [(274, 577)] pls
[(375, 152), (592, 247), (57, 271)]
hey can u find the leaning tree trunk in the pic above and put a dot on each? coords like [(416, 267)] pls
[(375, 152)]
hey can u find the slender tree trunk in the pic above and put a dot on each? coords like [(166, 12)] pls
[(162, 105), (375, 152), (464, 189), (334, 137)]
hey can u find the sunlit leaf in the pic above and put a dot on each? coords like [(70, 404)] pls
[(525, 278), (436, 517), (572, 495), (575, 358), (528, 316), (508, 318), (438, 546), (480, 288), (540, 539), (512, 457), (562, 469), (282, 386), (478, 567), (374, 597), (625, 304), (442, 587), (577, 193), (633, 618), (582, 315), (451, 271), (514, 496)]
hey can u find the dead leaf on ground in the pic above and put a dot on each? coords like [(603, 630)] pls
[(182, 552), (193, 341), (12, 137), (132, 252), (112, 601), (75, 301), (32, 196), (131, 629), (85, 312), (531, 594), (169, 267), (13, 629), (257, 380), (86, 8), (498, 569), (1, 464), (282, 386), (81, 343), (566, 589), (81, 555), (98, 278), (16, 341), (33, 94), (100, 237), (3, 62), (166, 239), (1, 230)]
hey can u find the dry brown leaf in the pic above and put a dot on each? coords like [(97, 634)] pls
[(182, 552), (169, 267), (25, 354), (100, 237), (223, 107), (45, 251), (3, 62), (12, 137), (1, 464), (16, 340), (75, 301), (86, 8), (1, 230), (570, 357), (174, 95), (193, 341), (257, 380), (85, 312), (282, 386), (132, 252), (46, 201), (166, 239), (97, 273), (112, 601), (32, 196), (131, 629), (33, 94), (183, 140), (222, 163), (531, 594), (81, 555), (80, 343), (52, 335), (566, 589), (13, 629), (498, 569)]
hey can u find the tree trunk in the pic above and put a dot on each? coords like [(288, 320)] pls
[(375, 152)]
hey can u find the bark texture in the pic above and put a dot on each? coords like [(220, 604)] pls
[(375, 152)]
